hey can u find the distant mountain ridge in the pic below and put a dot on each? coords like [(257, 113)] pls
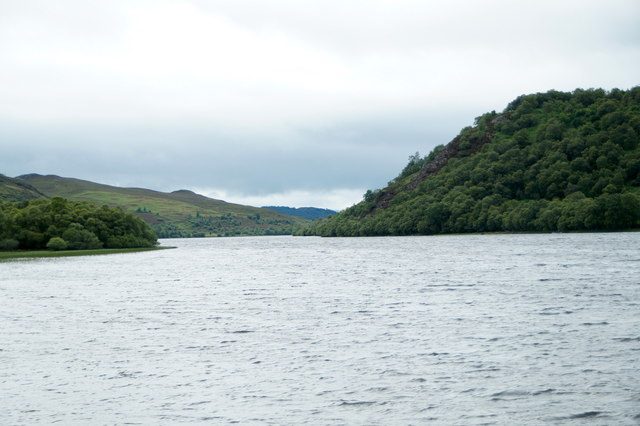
[(181, 213), (311, 213)]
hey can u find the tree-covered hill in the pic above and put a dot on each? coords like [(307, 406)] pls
[(17, 190), (310, 213), (550, 161), (180, 213), (60, 224)]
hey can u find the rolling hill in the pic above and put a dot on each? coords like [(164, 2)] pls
[(553, 161), (180, 213), (17, 190)]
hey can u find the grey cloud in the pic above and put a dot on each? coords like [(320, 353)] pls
[(361, 155), (258, 97), (374, 25)]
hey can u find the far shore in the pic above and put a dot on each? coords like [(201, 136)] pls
[(64, 253)]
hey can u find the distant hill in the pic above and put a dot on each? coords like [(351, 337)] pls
[(180, 213), (310, 213), (17, 190), (550, 161)]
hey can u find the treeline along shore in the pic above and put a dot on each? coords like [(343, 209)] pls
[(59, 224)]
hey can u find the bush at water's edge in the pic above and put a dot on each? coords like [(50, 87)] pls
[(59, 224)]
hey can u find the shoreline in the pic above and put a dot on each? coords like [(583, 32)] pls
[(67, 253)]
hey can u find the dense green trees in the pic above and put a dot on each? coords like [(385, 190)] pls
[(550, 162), (310, 213), (60, 224)]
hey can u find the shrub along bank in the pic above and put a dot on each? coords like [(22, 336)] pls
[(60, 224)]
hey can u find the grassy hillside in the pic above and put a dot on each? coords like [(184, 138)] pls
[(176, 214), (17, 190), (549, 162)]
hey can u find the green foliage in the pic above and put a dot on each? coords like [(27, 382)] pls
[(79, 238), (415, 164), (9, 244), (550, 162), (310, 213), (57, 243), (43, 223)]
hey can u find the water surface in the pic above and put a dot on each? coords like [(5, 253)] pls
[(483, 329)]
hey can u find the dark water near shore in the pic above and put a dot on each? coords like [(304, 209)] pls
[(484, 329)]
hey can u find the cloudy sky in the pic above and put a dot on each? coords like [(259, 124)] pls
[(287, 102)]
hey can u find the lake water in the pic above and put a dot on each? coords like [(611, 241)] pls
[(467, 330)]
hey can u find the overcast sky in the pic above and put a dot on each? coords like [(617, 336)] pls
[(300, 103)]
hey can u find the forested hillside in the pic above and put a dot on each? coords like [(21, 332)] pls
[(550, 161), (60, 224), (310, 213)]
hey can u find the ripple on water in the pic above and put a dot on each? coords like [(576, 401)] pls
[(482, 329)]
